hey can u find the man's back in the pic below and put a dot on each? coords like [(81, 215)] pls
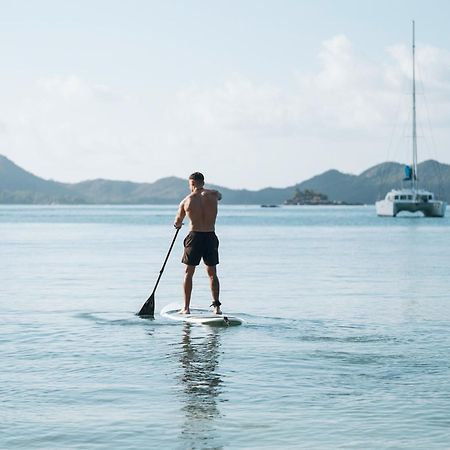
[(201, 209)]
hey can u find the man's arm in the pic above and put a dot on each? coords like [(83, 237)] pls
[(181, 214)]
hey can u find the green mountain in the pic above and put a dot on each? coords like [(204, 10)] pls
[(21, 187), (166, 190), (374, 183)]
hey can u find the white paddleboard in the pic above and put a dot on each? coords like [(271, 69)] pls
[(200, 316)]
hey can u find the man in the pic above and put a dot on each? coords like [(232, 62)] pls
[(200, 206)]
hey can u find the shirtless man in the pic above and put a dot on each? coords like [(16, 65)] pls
[(201, 208)]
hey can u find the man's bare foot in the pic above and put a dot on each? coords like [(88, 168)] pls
[(184, 311), (217, 310)]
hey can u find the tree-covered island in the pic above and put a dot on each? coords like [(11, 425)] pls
[(310, 197)]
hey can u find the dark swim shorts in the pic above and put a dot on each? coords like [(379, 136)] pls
[(201, 244)]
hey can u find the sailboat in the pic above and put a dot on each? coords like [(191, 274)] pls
[(411, 199)]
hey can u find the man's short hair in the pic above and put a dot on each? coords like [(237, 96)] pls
[(197, 176)]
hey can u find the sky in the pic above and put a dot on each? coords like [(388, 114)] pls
[(253, 93)]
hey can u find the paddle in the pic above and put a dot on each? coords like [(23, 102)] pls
[(148, 308)]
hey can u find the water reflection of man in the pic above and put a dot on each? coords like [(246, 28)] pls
[(201, 385)]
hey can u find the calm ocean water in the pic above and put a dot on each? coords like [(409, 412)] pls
[(346, 343)]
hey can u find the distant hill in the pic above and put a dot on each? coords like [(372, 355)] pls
[(165, 190), (372, 184), (17, 186)]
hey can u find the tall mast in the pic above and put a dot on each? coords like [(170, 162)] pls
[(414, 132)]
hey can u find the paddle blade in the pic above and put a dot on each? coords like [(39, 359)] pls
[(148, 308)]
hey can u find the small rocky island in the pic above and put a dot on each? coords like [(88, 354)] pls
[(310, 197)]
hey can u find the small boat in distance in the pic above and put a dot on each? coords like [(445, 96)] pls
[(411, 199)]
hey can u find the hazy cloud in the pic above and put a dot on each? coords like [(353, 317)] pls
[(73, 87), (345, 94), (338, 115)]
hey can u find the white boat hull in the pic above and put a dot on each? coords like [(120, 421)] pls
[(389, 208)]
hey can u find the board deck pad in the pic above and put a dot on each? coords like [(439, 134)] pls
[(200, 316)]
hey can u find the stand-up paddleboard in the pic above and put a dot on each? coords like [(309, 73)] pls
[(200, 317)]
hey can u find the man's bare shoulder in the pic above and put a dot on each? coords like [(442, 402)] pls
[(212, 193), (186, 199)]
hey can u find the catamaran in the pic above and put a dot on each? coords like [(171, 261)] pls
[(411, 199)]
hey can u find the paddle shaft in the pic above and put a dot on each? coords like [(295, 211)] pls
[(165, 261), (148, 309)]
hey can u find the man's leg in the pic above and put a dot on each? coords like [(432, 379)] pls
[(215, 287), (188, 275)]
